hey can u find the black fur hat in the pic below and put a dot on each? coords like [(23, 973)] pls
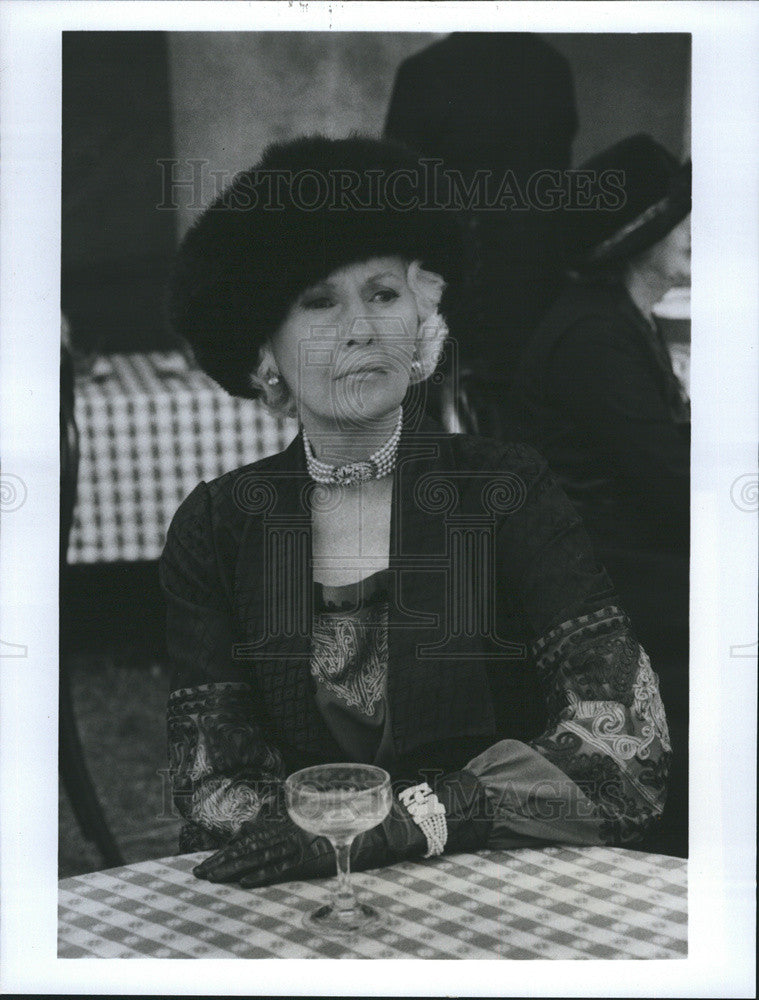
[(310, 206)]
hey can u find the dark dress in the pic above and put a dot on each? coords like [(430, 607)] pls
[(596, 394), (493, 642)]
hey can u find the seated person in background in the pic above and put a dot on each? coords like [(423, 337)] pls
[(369, 593), (597, 395)]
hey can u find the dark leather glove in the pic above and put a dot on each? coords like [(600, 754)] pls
[(269, 850), (273, 849), (469, 816), (397, 838), (265, 851)]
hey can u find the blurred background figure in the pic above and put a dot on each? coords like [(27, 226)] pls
[(596, 387), (504, 104), (597, 395)]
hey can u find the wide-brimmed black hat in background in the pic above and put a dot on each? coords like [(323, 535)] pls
[(657, 196)]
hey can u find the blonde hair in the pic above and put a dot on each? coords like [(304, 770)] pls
[(276, 397), (427, 288)]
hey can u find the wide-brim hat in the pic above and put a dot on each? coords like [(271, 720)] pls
[(309, 207), (644, 192)]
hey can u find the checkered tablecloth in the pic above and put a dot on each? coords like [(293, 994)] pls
[(571, 903), (151, 427)]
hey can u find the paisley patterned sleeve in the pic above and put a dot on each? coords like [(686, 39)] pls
[(598, 773), (222, 769), (609, 731)]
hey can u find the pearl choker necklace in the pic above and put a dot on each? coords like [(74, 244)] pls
[(380, 464)]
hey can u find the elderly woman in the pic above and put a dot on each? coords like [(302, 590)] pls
[(596, 394), (381, 591), (596, 389)]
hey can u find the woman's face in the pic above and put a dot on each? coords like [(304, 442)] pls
[(346, 346), (671, 256)]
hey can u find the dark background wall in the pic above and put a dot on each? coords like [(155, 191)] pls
[(629, 83), (131, 99), (235, 92)]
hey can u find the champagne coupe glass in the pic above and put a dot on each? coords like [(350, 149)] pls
[(339, 801)]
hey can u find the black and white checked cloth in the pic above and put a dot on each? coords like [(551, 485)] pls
[(556, 903), (151, 427)]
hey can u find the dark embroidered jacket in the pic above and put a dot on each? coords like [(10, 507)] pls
[(491, 571)]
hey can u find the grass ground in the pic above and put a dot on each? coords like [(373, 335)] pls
[(119, 702)]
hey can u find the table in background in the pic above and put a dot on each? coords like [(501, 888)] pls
[(557, 903), (151, 427)]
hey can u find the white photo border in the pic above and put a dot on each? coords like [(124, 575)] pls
[(725, 299)]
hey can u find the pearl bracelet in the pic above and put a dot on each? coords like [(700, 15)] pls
[(428, 812)]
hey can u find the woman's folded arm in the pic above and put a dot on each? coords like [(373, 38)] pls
[(598, 773), (223, 772)]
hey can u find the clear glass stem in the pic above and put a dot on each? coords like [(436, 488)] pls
[(343, 899)]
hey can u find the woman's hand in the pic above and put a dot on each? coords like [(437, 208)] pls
[(273, 849), (265, 851)]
